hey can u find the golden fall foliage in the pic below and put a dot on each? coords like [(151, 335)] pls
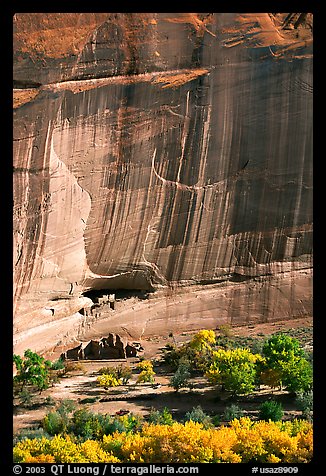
[(243, 440)]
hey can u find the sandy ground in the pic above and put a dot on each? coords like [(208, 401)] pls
[(142, 399), (81, 384)]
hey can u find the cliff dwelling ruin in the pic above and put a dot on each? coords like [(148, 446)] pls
[(107, 348)]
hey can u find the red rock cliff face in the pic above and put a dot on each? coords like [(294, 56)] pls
[(159, 150)]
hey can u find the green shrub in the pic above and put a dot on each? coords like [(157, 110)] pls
[(30, 433), (224, 342), (154, 416), (257, 346), (163, 417), (25, 398), (57, 421), (112, 425), (198, 415), (88, 400), (297, 375), (232, 412), (309, 356), (120, 424), (216, 420), (87, 424), (66, 406), (49, 401), (58, 364), (270, 410), (304, 402), (54, 423)]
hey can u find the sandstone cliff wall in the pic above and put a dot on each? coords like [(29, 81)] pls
[(161, 150)]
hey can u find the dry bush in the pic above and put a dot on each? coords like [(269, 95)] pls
[(72, 366)]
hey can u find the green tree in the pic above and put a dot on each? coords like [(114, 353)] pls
[(180, 378), (297, 375), (234, 369), (285, 362), (32, 369), (281, 347)]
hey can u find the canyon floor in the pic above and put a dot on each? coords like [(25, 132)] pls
[(80, 385)]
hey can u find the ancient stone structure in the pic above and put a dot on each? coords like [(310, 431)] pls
[(77, 353), (92, 350), (111, 347), (160, 150), (131, 351)]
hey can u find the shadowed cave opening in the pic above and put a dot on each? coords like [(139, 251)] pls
[(22, 84), (120, 294)]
